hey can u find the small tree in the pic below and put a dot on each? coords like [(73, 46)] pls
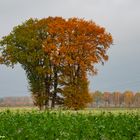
[(117, 99), (137, 99), (128, 98), (77, 95), (97, 98)]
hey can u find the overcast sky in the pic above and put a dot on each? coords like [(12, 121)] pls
[(120, 17)]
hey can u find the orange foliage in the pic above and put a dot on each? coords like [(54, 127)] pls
[(76, 41), (75, 45)]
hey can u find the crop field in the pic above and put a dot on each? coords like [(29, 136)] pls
[(99, 124)]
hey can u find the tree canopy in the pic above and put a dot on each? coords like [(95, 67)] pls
[(57, 54)]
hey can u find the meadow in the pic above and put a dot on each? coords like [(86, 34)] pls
[(94, 124)]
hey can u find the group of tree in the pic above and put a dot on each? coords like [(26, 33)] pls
[(57, 54), (115, 99)]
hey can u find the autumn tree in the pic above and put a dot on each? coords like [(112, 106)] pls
[(97, 98), (128, 98), (24, 46), (75, 46), (107, 98), (137, 99), (117, 98), (57, 54)]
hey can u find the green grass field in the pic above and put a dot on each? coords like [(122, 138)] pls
[(98, 124)]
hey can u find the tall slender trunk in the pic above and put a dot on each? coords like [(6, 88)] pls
[(47, 91), (55, 87), (48, 84)]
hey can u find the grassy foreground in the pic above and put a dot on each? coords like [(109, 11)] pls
[(69, 125)]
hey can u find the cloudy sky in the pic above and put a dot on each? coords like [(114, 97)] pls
[(120, 17)]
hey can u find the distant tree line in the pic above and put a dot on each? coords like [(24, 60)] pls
[(99, 99), (115, 99), (16, 101)]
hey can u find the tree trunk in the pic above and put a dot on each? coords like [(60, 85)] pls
[(55, 87), (47, 90)]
